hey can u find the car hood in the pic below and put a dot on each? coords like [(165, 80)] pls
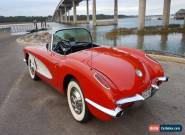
[(120, 67)]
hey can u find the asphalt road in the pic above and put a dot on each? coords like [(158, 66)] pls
[(34, 108)]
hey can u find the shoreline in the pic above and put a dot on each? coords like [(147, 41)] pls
[(35, 38), (41, 38), (150, 30)]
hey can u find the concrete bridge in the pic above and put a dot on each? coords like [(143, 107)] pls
[(62, 15)]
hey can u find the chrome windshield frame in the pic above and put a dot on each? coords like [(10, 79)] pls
[(78, 28)]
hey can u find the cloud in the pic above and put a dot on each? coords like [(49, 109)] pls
[(47, 7), (27, 7)]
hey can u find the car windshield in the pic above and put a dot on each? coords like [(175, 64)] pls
[(76, 36)]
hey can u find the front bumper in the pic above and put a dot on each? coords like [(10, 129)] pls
[(163, 79), (118, 111)]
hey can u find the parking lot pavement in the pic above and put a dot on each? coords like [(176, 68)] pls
[(34, 108)]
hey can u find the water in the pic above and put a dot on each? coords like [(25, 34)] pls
[(172, 43), (132, 22)]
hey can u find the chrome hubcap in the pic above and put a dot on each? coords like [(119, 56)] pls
[(32, 69), (76, 101)]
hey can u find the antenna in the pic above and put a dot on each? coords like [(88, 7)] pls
[(91, 57), (92, 45)]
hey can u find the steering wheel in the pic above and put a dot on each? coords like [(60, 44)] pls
[(64, 45)]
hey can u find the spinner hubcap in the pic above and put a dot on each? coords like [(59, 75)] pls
[(76, 101)]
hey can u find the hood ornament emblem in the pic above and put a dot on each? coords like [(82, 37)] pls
[(139, 73)]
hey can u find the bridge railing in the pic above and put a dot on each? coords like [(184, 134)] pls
[(16, 28), (20, 28)]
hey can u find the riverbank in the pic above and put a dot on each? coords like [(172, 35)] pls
[(150, 30), (35, 38)]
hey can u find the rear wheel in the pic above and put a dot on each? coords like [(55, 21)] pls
[(32, 69), (76, 102)]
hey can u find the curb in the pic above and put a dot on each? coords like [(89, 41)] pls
[(168, 58)]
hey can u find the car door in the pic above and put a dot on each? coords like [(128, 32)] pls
[(54, 62), (47, 64)]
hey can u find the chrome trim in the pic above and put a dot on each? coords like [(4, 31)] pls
[(155, 87), (119, 50), (24, 60), (107, 88), (137, 97), (117, 110), (139, 73), (163, 79), (110, 112), (151, 59), (51, 46)]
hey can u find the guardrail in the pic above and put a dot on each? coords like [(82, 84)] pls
[(4, 28), (19, 28), (16, 28)]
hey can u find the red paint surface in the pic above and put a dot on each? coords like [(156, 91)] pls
[(118, 66)]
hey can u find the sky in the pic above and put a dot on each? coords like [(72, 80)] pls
[(47, 7)]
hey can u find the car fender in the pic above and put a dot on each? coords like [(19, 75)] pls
[(90, 87)]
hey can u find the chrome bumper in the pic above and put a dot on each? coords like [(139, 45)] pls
[(118, 112), (24, 60), (114, 113), (129, 100), (163, 79)]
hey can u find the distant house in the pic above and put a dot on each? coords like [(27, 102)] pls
[(180, 14)]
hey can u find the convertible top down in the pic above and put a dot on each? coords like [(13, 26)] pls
[(102, 81)]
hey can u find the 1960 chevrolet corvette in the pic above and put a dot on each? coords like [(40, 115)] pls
[(102, 81)]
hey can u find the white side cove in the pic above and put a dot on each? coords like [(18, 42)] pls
[(40, 67)]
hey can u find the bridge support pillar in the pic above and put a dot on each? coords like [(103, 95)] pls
[(60, 16), (142, 11), (69, 17), (65, 8), (88, 20), (74, 12), (166, 13), (116, 11), (57, 16), (55, 19), (94, 12)]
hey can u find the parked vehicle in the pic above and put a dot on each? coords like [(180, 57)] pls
[(98, 80)]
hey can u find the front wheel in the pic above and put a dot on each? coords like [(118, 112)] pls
[(76, 102), (32, 68)]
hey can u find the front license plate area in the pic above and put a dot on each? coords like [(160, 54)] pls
[(147, 94)]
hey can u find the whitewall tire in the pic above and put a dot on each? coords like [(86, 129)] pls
[(76, 102), (32, 68)]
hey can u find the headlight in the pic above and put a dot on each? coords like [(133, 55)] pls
[(101, 80)]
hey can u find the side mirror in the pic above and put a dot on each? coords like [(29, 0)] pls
[(47, 46)]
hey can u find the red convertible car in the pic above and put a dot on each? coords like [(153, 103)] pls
[(98, 80)]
